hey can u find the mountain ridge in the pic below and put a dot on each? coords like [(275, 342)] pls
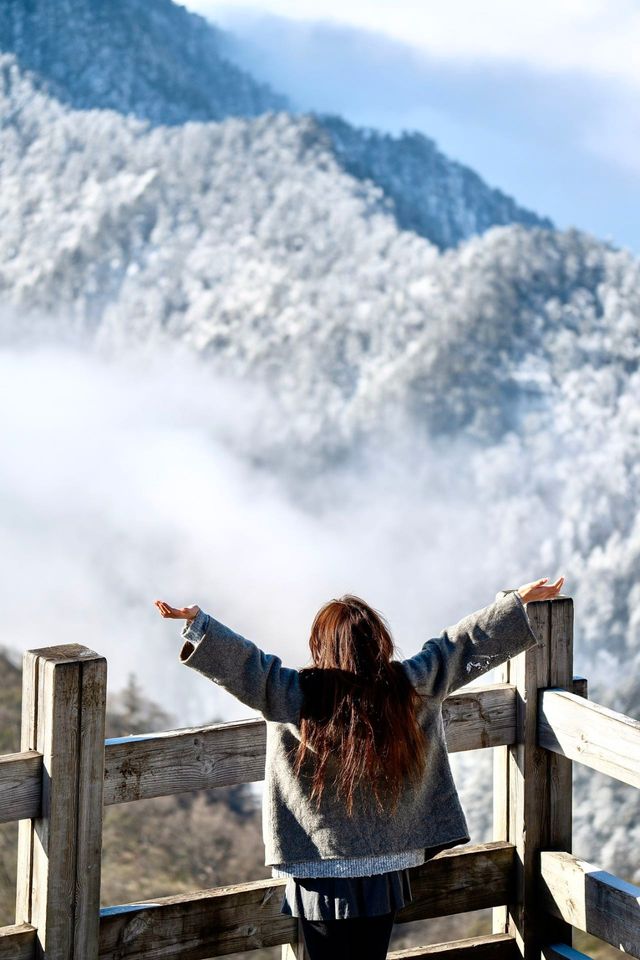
[(396, 164), (276, 265), (157, 61)]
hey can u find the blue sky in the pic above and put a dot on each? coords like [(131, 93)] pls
[(541, 100)]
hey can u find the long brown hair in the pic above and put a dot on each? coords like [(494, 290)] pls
[(359, 706)]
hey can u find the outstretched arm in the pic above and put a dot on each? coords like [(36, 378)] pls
[(237, 664), (477, 643)]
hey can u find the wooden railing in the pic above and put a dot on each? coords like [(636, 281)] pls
[(536, 718)]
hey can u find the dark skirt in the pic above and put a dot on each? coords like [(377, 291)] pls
[(325, 898)]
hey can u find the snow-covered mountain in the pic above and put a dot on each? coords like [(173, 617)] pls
[(157, 61), (384, 297), (249, 242), (429, 193), (154, 60)]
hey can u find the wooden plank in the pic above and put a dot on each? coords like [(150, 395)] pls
[(594, 735), (532, 793), (227, 753), (198, 925), (17, 942), (54, 851), (231, 919), (220, 754), (20, 785), (58, 889), (468, 877), (479, 716), (500, 913), (30, 669), (491, 946), (556, 831), (591, 899), (91, 725), (193, 758)]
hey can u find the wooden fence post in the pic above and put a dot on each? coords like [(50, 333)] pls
[(532, 786), (59, 852)]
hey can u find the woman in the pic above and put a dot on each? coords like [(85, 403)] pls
[(358, 787)]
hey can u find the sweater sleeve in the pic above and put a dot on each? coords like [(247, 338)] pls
[(477, 643), (256, 678)]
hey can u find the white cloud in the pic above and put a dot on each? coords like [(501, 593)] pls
[(612, 132), (597, 37), (539, 102), (119, 487)]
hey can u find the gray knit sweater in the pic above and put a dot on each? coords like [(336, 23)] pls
[(299, 838)]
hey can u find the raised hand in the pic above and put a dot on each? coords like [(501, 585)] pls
[(540, 589), (177, 613)]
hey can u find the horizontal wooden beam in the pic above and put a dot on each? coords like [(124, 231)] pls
[(490, 946), (17, 942), (193, 758), (480, 716), (222, 754), (591, 899), (590, 734), (245, 916), (20, 785), (202, 924), (463, 878)]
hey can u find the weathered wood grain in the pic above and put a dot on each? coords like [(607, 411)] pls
[(599, 738), (58, 884), (591, 899), (196, 758), (17, 942), (557, 828), (202, 924), (176, 761), (491, 946), (500, 799), (479, 716), (91, 727), (54, 848), (532, 791), (28, 744), (212, 923), (463, 878), (220, 754), (20, 785)]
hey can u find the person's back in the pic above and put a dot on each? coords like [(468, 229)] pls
[(358, 787)]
